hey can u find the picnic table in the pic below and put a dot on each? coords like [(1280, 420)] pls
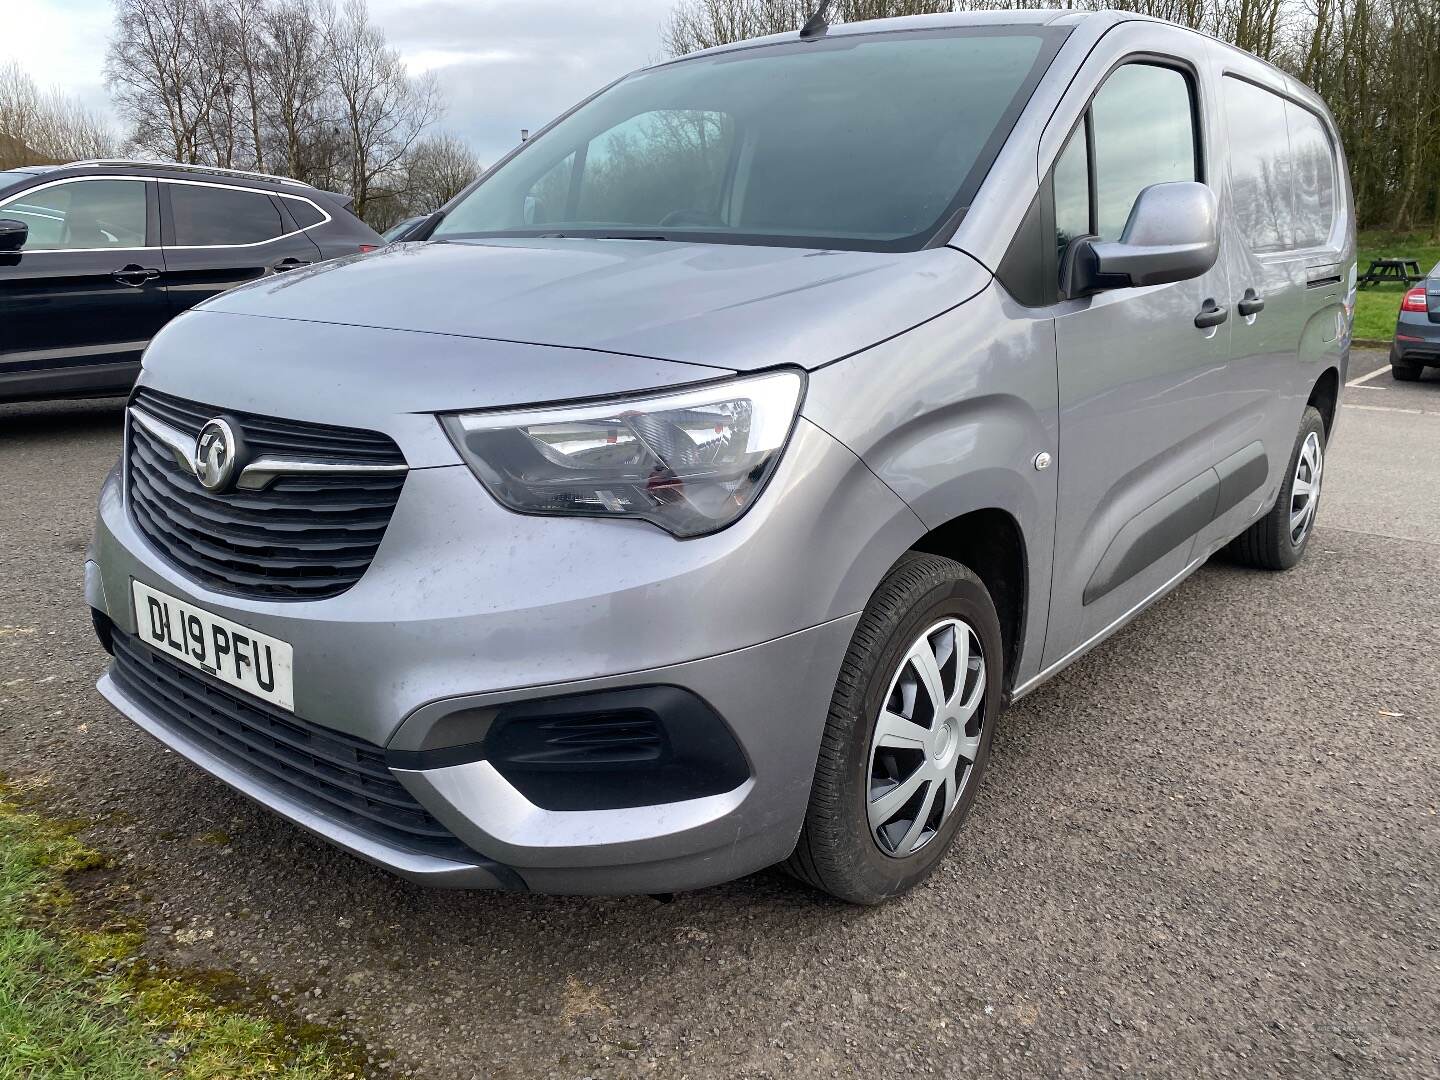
[(1400, 271)]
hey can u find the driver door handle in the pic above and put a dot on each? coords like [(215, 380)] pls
[(135, 275), (289, 264), (1211, 314), (1251, 303)]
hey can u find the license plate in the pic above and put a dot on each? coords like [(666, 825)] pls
[(246, 659)]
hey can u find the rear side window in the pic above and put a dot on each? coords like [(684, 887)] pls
[(304, 213), (1282, 170), (1144, 131), (1260, 179), (1313, 171), (210, 216)]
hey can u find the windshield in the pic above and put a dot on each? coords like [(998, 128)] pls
[(869, 142)]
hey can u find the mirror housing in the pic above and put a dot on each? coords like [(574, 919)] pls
[(13, 234), (1172, 235)]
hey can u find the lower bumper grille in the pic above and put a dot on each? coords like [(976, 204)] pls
[(334, 774)]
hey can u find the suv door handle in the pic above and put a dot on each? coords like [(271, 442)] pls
[(289, 264), (1251, 303), (1212, 314), (135, 275)]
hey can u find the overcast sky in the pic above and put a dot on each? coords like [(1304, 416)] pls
[(503, 65)]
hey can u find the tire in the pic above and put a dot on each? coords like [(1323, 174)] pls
[(1406, 372), (924, 601), (1271, 543)]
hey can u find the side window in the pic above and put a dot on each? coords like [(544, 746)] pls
[(83, 214), (1313, 172), (1260, 173), (1072, 190), (1143, 122), (304, 213), (207, 216)]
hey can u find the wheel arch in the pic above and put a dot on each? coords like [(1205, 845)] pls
[(1325, 396), (991, 542)]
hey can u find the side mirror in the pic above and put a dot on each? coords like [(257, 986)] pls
[(1171, 236), (13, 234)]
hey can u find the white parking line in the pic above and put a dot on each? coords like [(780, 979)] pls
[(1373, 375), (1386, 408)]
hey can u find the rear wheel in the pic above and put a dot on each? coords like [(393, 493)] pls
[(908, 733), (1405, 372), (1278, 540)]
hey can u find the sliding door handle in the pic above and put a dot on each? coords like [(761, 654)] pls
[(1212, 314)]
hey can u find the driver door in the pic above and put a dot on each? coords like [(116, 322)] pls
[(84, 296), (1141, 369)]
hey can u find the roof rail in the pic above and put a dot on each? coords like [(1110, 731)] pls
[(214, 170)]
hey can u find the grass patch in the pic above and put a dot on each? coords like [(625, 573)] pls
[(78, 1001), (1377, 305)]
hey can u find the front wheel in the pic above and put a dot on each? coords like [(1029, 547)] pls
[(908, 733), (1278, 540)]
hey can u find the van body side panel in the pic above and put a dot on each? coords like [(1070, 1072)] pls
[(1279, 352), (951, 417)]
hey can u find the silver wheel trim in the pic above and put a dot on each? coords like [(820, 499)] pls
[(1305, 489), (926, 738)]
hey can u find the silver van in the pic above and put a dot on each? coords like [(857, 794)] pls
[(699, 490)]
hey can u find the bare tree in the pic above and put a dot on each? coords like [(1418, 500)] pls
[(382, 111), (437, 169), (38, 127), (244, 23), (164, 75), (293, 77), (703, 24)]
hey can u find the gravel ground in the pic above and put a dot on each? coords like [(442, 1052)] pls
[(1211, 847)]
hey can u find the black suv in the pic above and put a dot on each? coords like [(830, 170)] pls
[(96, 256)]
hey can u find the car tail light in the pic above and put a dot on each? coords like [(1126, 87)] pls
[(1414, 301), (375, 247)]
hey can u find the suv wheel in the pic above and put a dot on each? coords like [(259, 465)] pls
[(1277, 541), (1406, 372), (908, 733)]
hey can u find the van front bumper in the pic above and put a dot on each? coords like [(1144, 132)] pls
[(470, 613)]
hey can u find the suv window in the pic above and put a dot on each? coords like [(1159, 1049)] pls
[(208, 216), (305, 213), (82, 214), (1260, 179), (1140, 130)]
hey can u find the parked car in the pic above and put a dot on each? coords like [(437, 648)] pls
[(1417, 330), (401, 231), (97, 256), (735, 451)]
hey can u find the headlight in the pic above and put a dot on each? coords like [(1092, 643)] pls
[(691, 461)]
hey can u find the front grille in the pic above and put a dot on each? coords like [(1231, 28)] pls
[(301, 538), (338, 775)]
